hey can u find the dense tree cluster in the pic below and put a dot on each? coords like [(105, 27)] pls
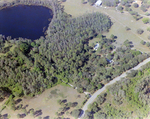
[(92, 1), (29, 67), (127, 98), (25, 2), (143, 90), (76, 113), (145, 5), (110, 3), (31, 72), (120, 8), (3, 94), (126, 2), (135, 14)]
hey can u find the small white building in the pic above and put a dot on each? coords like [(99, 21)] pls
[(98, 3), (96, 46)]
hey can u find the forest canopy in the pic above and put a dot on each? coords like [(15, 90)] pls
[(129, 98), (29, 67)]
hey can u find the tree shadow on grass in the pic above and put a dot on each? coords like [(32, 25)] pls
[(115, 37), (37, 113), (5, 116), (25, 107), (22, 115), (19, 107), (64, 101), (47, 117), (18, 101), (61, 113), (31, 110), (74, 104)]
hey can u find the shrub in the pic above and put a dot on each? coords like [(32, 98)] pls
[(92, 1), (112, 36), (145, 20), (143, 8), (128, 9), (110, 3), (148, 29), (148, 44), (127, 28), (76, 113), (127, 5), (140, 31), (142, 42), (147, 14), (135, 5), (132, 74), (120, 8), (133, 13)]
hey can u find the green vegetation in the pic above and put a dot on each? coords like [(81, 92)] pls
[(92, 1), (34, 66), (64, 55), (148, 29), (65, 108), (24, 47), (136, 5), (110, 3), (140, 31), (76, 113), (126, 2), (127, 28), (128, 98), (146, 20), (120, 8), (145, 6)]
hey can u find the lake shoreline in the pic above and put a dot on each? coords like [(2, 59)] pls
[(25, 21), (4, 5), (40, 3)]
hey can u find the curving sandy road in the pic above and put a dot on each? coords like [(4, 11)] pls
[(93, 97)]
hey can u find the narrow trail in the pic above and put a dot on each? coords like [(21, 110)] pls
[(93, 97)]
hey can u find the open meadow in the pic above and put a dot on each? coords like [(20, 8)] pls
[(46, 104), (120, 21)]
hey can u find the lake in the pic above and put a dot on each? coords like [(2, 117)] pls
[(25, 21)]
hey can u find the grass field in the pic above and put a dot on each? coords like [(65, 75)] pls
[(120, 21), (47, 102)]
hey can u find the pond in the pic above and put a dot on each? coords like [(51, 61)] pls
[(25, 21)]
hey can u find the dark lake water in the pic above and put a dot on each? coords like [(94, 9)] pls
[(24, 21)]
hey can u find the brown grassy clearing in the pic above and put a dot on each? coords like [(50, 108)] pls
[(47, 102)]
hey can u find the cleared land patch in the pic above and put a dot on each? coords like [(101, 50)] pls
[(47, 102)]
